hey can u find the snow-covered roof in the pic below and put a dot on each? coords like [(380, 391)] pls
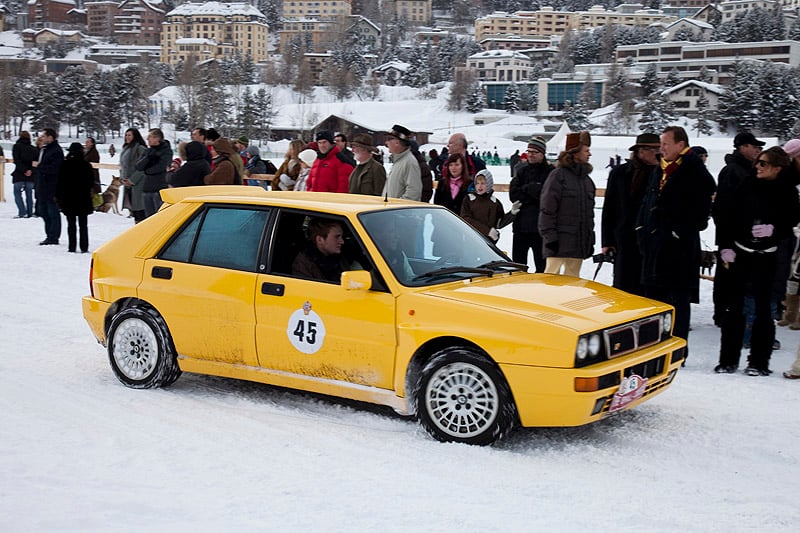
[(358, 19), (498, 54), (396, 65), (195, 40), (710, 87), (155, 5), (216, 8), (699, 23), (70, 2)]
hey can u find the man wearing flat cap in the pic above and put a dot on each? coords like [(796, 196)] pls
[(739, 164), (404, 180), (369, 176), (566, 216), (526, 188), (331, 170), (625, 190)]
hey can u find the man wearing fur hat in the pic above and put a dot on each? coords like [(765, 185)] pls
[(674, 211), (331, 171), (566, 217), (404, 180), (369, 176), (526, 191), (625, 190)]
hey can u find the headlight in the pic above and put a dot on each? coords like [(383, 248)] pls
[(583, 349), (594, 344), (666, 324)]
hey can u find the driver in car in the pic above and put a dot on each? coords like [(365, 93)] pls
[(322, 259)]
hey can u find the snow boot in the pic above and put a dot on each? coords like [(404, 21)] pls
[(790, 318)]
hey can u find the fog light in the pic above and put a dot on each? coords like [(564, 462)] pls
[(587, 384)]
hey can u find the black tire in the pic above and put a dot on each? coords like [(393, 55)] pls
[(463, 397), (140, 349)]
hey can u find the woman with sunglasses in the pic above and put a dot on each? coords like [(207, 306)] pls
[(761, 213)]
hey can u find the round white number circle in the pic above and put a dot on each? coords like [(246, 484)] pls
[(306, 331)]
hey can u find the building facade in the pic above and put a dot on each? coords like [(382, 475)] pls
[(50, 13), (130, 21), (548, 21), (213, 30), (500, 65), (298, 9), (417, 12)]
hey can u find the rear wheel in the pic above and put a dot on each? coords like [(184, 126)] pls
[(462, 397), (140, 349)]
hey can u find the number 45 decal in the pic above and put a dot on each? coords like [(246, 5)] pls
[(306, 330)]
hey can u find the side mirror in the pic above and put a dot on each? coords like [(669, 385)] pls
[(356, 280)]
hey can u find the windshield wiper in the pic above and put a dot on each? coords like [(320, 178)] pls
[(505, 264), (454, 270)]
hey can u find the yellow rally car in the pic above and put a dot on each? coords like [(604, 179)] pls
[(408, 307)]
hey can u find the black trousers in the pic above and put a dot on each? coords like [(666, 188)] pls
[(71, 231), (680, 299), (524, 241), (753, 273)]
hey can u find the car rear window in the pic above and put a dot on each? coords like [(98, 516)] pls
[(222, 237)]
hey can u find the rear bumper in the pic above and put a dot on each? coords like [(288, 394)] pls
[(547, 396), (95, 311)]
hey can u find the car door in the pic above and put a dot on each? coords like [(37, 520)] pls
[(203, 283), (319, 328)]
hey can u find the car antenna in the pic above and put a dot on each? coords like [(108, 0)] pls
[(386, 196)]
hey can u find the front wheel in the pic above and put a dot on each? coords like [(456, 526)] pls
[(462, 397), (140, 349)]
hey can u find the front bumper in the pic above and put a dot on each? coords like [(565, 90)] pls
[(547, 396)]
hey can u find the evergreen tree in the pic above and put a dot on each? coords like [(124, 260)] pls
[(704, 75), (673, 78), (476, 101), (576, 116), (657, 113), (650, 83), (703, 124), (737, 106), (459, 92), (511, 98), (529, 97), (264, 113)]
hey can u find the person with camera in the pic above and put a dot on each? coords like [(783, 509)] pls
[(625, 190)]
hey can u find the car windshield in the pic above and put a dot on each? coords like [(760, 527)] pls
[(425, 246)]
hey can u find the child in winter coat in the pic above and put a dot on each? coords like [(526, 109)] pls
[(307, 158), (483, 211)]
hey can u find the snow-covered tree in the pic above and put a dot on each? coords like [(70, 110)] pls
[(649, 82), (511, 98), (476, 101), (703, 123), (576, 116), (656, 114)]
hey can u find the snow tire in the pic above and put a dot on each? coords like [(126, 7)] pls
[(463, 397), (140, 349)]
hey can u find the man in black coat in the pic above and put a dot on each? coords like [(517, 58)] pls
[(674, 211), (738, 166), (625, 190), (526, 188), (51, 156)]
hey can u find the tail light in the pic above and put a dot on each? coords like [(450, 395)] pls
[(91, 277)]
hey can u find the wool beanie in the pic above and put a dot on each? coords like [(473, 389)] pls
[(792, 148)]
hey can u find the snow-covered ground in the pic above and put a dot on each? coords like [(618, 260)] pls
[(81, 452)]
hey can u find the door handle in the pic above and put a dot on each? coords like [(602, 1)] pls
[(162, 272), (273, 289)]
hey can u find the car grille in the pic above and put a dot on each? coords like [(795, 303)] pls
[(630, 337), (652, 370)]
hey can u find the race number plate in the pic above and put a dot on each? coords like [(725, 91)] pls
[(632, 388)]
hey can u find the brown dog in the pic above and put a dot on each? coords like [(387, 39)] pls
[(110, 196)]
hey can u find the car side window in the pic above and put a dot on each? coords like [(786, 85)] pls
[(291, 238), (221, 237)]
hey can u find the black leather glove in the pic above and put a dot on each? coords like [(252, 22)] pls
[(552, 246)]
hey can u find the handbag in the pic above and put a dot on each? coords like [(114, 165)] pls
[(97, 200)]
